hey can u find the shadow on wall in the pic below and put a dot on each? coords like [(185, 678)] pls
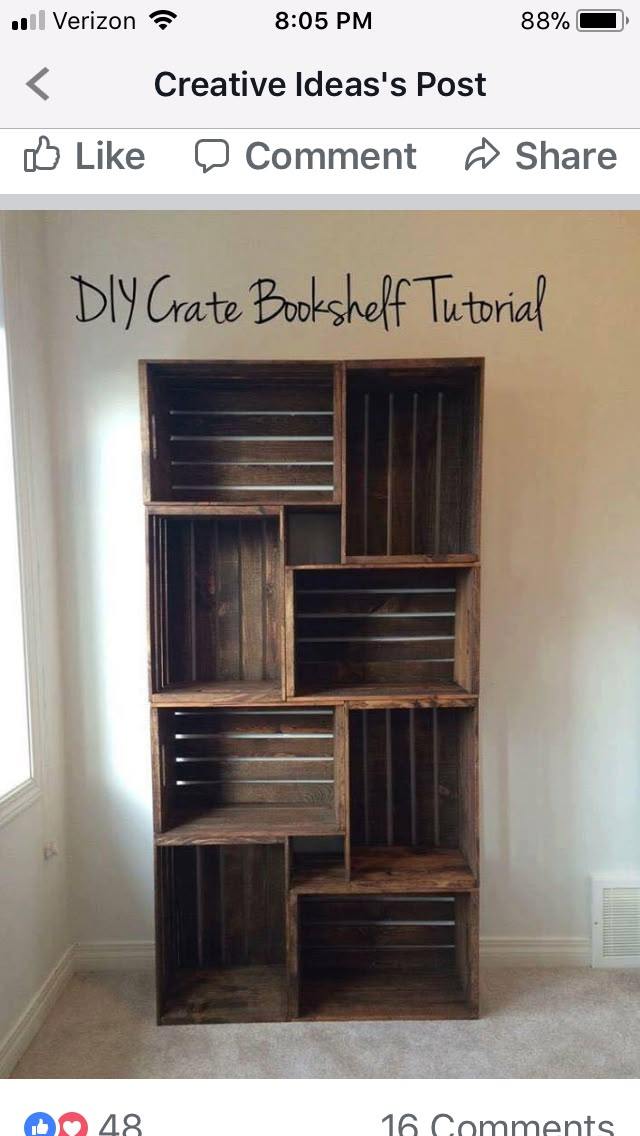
[(106, 672)]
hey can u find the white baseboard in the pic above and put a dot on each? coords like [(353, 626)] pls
[(119, 954), (32, 1018), (135, 954), (504, 951)]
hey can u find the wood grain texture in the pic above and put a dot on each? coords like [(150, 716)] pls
[(469, 802), (338, 431), (145, 430), (193, 509), (382, 996), (372, 695), (293, 958), (412, 460), (393, 871), (234, 994), (161, 754), (248, 823), (218, 694), (467, 646), (341, 766), (289, 634)]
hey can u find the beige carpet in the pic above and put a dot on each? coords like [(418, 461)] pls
[(535, 1023)]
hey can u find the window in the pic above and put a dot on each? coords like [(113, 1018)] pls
[(15, 754)]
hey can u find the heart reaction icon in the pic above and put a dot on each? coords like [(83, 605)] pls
[(73, 1124)]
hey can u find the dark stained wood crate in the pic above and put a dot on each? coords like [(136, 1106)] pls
[(238, 432), (412, 488), (413, 792), (382, 628), (382, 956), (245, 773), (215, 605), (221, 933)]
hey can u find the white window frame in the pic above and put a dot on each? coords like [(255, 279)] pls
[(24, 795)]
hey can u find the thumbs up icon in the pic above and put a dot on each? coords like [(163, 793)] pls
[(40, 1124), (44, 157)]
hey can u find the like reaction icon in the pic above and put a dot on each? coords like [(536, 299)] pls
[(45, 156), (40, 1124)]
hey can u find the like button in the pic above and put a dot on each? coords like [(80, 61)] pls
[(44, 157)]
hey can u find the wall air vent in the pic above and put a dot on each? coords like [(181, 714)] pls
[(616, 921)]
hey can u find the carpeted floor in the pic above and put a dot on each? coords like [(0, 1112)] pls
[(535, 1023)]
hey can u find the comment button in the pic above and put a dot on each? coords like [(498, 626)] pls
[(212, 153)]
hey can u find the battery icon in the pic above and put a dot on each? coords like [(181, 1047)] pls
[(601, 20)]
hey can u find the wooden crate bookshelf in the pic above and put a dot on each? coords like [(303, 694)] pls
[(313, 581)]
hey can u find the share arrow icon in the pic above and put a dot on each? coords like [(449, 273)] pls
[(486, 154)]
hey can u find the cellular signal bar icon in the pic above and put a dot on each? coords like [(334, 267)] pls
[(35, 22)]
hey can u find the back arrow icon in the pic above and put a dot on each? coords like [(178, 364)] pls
[(32, 83), (486, 154)]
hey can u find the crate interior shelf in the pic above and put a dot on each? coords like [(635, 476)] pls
[(313, 584), (394, 871)]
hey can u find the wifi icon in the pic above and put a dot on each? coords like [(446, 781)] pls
[(163, 17)]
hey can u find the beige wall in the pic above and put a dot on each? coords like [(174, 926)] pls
[(561, 521)]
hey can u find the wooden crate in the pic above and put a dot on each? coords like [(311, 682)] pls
[(220, 933), (413, 792), (381, 956), (240, 432), (412, 488), (216, 612), (245, 773), (356, 630)]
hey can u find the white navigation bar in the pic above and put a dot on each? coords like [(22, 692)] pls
[(311, 161)]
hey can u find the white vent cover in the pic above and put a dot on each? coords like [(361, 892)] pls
[(615, 937)]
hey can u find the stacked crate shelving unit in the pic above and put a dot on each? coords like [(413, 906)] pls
[(313, 569)]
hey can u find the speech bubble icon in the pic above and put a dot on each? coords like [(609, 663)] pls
[(212, 153)]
